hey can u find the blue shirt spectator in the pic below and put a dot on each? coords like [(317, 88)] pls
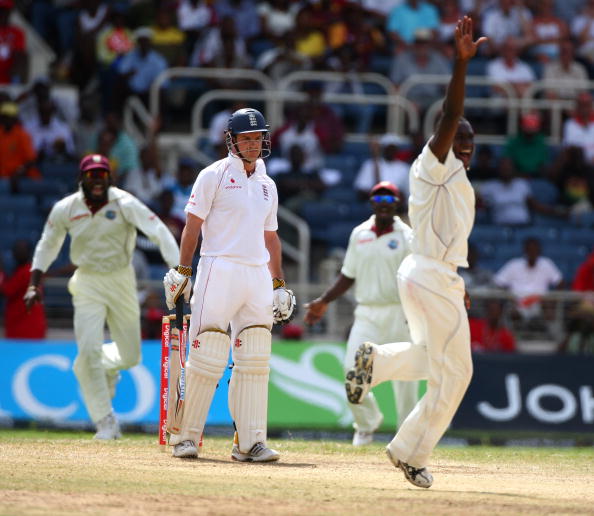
[(405, 19)]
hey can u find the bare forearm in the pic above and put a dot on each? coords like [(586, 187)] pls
[(274, 247), (35, 279), (453, 104), (340, 286), (189, 240)]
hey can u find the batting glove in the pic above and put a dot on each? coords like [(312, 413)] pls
[(283, 303), (176, 284)]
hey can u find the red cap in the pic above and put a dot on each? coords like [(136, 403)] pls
[(93, 161), (6, 4), (530, 122), (386, 185)]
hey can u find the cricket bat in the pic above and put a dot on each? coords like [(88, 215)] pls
[(177, 371)]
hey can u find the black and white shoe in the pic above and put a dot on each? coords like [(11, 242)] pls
[(358, 378), (185, 450), (419, 477)]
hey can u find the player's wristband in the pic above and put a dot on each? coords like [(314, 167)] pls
[(185, 270), (277, 283)]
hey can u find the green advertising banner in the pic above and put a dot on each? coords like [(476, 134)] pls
[(306, 388)]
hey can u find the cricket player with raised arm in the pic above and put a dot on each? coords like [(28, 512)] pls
[(375, 251), (102, 221), (239, 282), (441, 212)]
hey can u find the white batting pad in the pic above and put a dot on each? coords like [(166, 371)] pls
[(208, 357), (248, 389)]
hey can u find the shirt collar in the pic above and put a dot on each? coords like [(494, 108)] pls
[(237, 165)]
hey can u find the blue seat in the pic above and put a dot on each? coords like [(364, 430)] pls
[(345, 195), (43, 187), (359, 150), (580, 237), (341, 162), (548, 221), (28, 222), (544, 191), (542, 233), (338, 233), (585, 220), (18, 203), (319, 215), (490, 233), (381, 64), (4, 186), (359, 211), (66, 173)]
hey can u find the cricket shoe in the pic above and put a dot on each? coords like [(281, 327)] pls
[(108, 428), (258, 453), (185, 450), (419, 477), (362, 438), (358, 379)]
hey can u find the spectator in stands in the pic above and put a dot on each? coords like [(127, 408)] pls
[(89, 124), (529, 278), (92, 18), (145, 183), (309, 41), (582, 30), (546, 32), (282, 59), (449, 13), (383, 165), (168, 39), (406, 19), (244, 14), (193, 18), (123, 155), (17, 154), (510, 69), (295, 183), (483, 167), (55, 22), (566, 75), (140, 67), (301, 132), (165, 204), (218, 126), (329, 127), (504, 21), (346, 62), (13, 44), (489, 335), (52, 137), (277, 17), (579, 129), (20, 323), (475, 276), (528, 149), (574, 178), (221, 47), (420, 59), (580, 320), (181, 186)]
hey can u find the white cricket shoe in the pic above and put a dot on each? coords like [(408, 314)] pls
[(185, 450), (108, 428), (419, 477), (258, 453), (362, 438), (358, 379)]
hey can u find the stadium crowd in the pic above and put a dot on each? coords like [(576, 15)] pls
[(530, 194)]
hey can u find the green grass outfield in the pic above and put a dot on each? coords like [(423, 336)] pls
[(63, 473)]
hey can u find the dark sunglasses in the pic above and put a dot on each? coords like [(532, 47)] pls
[(96, 173), (391, 199)]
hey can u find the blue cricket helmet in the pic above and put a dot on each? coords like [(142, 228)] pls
[(247, 120)]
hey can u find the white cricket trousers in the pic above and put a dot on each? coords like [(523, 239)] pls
[(432, 295), (379, 324), (99, 298), (228, 292)]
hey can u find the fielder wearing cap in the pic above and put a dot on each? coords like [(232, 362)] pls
[(102, 221), (375, 251), (239, 283)]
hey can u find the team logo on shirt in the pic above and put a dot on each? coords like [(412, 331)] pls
[(238, 343), (110, 214), (393, 244), (196, 344), (265, 192)]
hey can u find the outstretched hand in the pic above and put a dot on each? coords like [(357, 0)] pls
[(465, 47)]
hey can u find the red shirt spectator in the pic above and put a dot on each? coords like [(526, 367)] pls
[(12, 44), (584, 278), (488, 334), (18, 323)]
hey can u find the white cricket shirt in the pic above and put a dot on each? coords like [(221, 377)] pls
[(236, 210), (373, 261), (104, 241), (440, 208)]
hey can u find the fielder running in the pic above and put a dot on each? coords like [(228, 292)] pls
[(101, 221), (441, 210), (376, 250), (238, 282)]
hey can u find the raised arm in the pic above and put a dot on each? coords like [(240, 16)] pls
[(453, 104)]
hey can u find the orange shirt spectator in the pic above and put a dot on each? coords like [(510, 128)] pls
[(17, 154), (18, 323)]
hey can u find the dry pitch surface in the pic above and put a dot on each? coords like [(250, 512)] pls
[(68, 473)]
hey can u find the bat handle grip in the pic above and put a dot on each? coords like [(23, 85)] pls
[(179, 313)]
